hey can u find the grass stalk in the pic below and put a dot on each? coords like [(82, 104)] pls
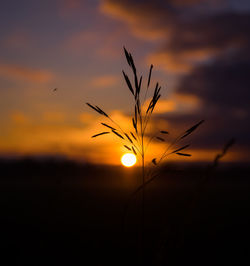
[(136, 143)]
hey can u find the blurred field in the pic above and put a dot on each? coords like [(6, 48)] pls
[(62, 213)]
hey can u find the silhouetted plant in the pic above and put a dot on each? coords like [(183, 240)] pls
[(135, 140), (225, 149)]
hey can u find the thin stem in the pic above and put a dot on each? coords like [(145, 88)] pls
[(116, 125), (167, 149), (146, 120), (150, 140), (143, 190), (145, 96), (143, 208)]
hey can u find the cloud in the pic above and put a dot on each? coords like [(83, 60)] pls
[(19, 117), (169, 62), (49, 134), (74, 140), (53, 117), (25, 73), (223, 88), (86, 117), (143, 17), (206, 45), (178, 103), (217, 129), (104, 81), (208, 38), (223, 83), (190, 32)]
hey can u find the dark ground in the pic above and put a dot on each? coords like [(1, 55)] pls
[(61, 213)]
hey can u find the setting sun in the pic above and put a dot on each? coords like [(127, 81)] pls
[(128, 159)]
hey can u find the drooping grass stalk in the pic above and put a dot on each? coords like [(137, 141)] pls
[(134, 141)]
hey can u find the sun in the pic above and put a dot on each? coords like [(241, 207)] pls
[(128, 159)]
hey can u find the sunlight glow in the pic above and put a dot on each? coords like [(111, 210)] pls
[(128, 159)]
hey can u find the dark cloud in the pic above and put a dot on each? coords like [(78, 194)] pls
[(200, 39), (223, 83), (224, 88), (190, 31), (209, 42), (213, 133), (216, 32), (156, 14)]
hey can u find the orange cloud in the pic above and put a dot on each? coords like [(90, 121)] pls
[(19, 117), (169, 63), (75, 141), (86, 118), (162, 106), (140, 17), (117, 10), (181, 61), (25, 73), (53, 117), (184, 44), (104, 81), (177, 103), (198, 54)]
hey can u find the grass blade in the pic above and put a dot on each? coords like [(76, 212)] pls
[(132, 134), (99, 134), (101, 111), (94, 108), (128, 138), (180, 149), (117, 134), (161, 139), (127, 147), (183, 154), (128, 56), (135, 113), (135, 125), (108, 126), (134, 150), (149, 75), (190, 130), (128, 82), (149, 106)]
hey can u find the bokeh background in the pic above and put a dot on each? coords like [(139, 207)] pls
[(200, 53), (64, 197)]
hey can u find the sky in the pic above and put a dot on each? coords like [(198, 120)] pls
[(201, 58)]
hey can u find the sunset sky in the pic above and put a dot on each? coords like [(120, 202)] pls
[(201, 57)]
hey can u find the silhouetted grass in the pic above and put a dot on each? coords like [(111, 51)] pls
[(140, 121)]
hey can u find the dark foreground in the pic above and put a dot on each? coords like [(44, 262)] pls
[(61, 213)]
